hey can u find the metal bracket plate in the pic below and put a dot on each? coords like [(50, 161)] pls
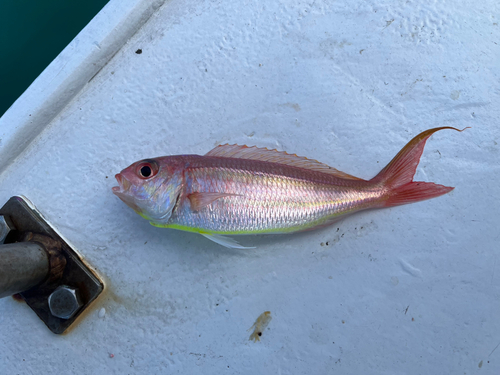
[(26, 218)]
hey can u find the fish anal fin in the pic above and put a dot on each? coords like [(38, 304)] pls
[(201, 200), (224, 241), (275, 156)]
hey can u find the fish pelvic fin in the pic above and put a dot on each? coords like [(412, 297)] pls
[(397, 176), (224, 241)]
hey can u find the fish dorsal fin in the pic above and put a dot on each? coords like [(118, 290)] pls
[(275, 156)]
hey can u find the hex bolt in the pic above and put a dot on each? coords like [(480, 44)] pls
[(64, 302)]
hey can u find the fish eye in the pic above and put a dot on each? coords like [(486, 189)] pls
[(147, 169)]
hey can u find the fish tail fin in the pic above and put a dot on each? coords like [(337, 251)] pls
[(397, 176)]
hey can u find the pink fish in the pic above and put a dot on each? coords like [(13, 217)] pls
[(248, 190)]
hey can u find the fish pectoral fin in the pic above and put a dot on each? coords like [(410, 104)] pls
[(201, 200), (224, 241)]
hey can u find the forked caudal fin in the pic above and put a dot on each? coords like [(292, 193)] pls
[(397, 176)]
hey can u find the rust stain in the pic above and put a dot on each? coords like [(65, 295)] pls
[(17, 297)]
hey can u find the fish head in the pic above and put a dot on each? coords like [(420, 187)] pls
[(150, 187)]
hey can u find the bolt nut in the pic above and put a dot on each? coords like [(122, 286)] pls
[(64, 302), (5, 228)]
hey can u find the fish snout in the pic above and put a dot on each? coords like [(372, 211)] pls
[(123, 183)]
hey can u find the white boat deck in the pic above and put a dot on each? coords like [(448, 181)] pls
[(407, 290)]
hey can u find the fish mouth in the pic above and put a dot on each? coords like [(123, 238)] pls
[(121, 191), (123, 183)]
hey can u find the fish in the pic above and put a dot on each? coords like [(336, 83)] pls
[(236, 190), (260, 325)]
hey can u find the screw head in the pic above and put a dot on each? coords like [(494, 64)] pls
[(64, 302)]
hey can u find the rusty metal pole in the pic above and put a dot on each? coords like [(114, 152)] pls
[(22, 266), (42, 268)]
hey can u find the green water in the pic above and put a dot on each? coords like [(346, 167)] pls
[(32, 33)]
